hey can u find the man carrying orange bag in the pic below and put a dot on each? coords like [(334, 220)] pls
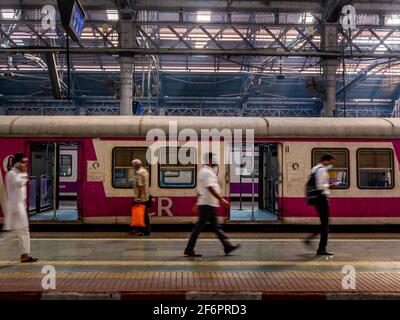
[(140, 215)]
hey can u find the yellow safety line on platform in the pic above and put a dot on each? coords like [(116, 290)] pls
[(198, 262), (185, 240)]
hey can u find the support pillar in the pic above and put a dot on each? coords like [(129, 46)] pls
[(127, 37), (329, 66), (126, 64)]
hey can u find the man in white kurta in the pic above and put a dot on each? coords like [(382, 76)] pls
[(16, 224)]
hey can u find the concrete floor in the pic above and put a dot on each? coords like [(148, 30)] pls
[(164, 252)]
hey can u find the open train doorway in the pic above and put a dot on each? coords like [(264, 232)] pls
[(250, 180), (53, 181)]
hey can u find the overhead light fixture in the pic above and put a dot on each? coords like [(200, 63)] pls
[(199, 44), (394, 20), (7, 13), (203, 16), (306, 18), (112, 15)]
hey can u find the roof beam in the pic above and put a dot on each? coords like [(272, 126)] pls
[(210, 52), (362, 6)]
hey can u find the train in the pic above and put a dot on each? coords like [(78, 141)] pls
[(95, 152)]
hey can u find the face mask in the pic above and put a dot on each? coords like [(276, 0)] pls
[(329, 167)]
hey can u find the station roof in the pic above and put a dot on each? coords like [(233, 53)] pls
[(193, 45)]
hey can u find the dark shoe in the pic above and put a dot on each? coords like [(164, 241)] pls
[(142, 234), (324, 253), (28, 259), (192, 253), (228, 250)]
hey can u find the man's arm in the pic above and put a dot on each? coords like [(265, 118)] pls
[(218, 196), (215, 193), (320, 179)]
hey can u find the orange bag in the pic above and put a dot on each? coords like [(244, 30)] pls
[(138, 211)]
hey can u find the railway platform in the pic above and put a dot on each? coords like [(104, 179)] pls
[(119, 266)]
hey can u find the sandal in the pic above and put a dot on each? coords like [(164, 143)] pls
[(29, 259)]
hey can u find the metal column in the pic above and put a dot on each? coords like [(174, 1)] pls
[(127, 36), (126, 86), (329, 65)]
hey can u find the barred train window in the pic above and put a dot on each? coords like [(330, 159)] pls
[(177, 172), (65, 165), (122, 171), (375, 168), (339, 175)]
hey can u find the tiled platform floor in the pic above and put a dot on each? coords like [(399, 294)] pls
[(267, 264), (282, 282)]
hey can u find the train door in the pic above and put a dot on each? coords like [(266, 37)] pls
[(53, 184), (245, 186), (268, 178)]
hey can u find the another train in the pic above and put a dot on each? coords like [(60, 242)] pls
[(366, 172)]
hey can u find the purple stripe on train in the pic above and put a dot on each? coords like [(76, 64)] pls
[(246, 188), (68, 187)]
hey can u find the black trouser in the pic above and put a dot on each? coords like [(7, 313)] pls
[(322, 206), (207, 214), (147, 228)]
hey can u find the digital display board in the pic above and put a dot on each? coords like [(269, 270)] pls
[(72, 17), (77, 21)]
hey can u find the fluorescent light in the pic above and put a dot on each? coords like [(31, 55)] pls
[(306, 18), (394, 20), (381, 49), (8, 13), (199, 44), (112, 15), (204, 16)]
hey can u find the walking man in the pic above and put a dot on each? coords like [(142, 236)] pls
[(321, 201), (209, 199), (142, 193), (16, 223)]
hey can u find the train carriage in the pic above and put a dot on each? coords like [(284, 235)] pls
[(366, 177)]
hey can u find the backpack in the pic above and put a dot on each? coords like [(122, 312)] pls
[(312, 193)]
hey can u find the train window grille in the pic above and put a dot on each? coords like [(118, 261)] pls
[(122, 171), (65, 165), (339, 175), (375, 168), (172, 172)]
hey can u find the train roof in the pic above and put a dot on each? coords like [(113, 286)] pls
[(138, 126)]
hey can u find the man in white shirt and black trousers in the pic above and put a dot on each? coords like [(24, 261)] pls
[(321, 201), (209, 199)]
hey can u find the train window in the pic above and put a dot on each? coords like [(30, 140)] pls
[(65, 165), (339, 175), (175, 171), (375, 168), (122, 171)]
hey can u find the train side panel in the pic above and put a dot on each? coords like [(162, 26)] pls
[(352, 205), (103, 203)]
